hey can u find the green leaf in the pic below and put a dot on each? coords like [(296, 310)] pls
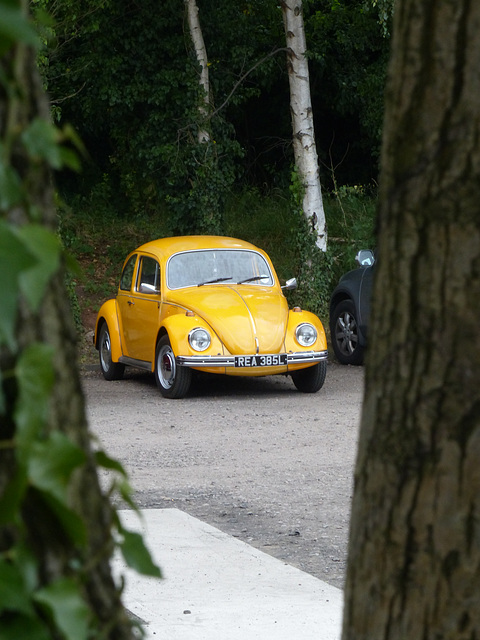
[(20, 627), (137, 555), (70, 159), (103, 460), (35, 378), (46, 247), (52, 462), (125, 490), (27, 563), (70, 134), (71, 522), (12, 496), (44, 141), (2, 396), (14, 595), (70, 613), (71, 264), (41, 140), (42, 16), (14, 258), (10, 186), (14, 27)]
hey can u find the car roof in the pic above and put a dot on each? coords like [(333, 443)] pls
[(168, 246)]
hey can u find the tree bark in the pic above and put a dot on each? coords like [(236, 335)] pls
[(52, 324), (304, 147), (201, 54), (414, 553)]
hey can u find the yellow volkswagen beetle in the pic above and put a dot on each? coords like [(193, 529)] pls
[(211, 304)]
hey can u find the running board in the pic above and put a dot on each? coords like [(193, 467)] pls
[(132, 362)]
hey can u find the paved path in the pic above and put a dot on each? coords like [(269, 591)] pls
[(252, 457), (217, 587)]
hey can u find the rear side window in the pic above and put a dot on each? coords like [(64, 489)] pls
[(127, 274)]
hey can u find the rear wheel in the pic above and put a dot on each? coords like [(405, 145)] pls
[(111, 370), (311, 379), (172, 380)]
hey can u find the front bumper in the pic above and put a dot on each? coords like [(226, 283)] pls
[(298, 357)]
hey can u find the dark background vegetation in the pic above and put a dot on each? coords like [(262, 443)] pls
[(124, 75)]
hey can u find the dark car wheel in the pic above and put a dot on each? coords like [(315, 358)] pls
[(173, 381), (111, 370), (310, 380), (344, 334)]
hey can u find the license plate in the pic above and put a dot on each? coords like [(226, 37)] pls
[(261, 360)]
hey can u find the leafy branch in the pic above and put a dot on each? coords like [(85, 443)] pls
[(39, 463)]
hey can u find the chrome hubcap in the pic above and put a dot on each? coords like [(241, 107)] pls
[(106, 351), (166, 367)]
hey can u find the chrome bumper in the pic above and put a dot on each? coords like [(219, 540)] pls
[(299, 357)]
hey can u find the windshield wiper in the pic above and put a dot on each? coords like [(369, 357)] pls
[(252, 279), (213, 281)]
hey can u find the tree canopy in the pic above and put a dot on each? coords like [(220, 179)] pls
[(125, 75)]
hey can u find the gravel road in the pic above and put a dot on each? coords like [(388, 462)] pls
[(252, 457)]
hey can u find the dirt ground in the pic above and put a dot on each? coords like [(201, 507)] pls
[(253, 457)]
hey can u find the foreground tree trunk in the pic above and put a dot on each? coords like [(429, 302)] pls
[(54, 552), (304, 147), (414, 555)]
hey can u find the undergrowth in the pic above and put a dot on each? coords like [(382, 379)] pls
[(100, 241)]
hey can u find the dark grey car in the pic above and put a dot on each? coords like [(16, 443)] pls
[(350, 309)]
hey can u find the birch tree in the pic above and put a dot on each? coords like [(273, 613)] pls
[(414, 555), (196, 36), (304, 147)]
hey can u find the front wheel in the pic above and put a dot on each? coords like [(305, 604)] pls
[(111, 370), (173, 381), (311, 379), (345, 334)]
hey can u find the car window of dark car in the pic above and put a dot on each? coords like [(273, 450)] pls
[(148, 276), (127, 274)]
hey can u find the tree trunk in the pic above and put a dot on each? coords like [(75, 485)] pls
[(304, 147), (201, 55), (52, 324), (414, 554)]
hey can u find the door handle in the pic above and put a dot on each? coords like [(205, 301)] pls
[(130, 303)]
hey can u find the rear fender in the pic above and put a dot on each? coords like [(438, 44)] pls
[(109, 314)]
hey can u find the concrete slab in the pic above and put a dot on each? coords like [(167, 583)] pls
[(216, 587)]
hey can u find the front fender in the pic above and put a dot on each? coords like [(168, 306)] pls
[(109, 314), (178, 327), (298, 317)]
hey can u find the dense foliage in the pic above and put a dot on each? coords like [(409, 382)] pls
[(124, 74)]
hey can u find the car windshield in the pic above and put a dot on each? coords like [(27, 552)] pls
[(229, 266)]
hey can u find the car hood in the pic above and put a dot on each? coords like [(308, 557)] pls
[(239, 315)]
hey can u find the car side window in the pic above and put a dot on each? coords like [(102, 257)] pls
[(127, 274), (148, 276)]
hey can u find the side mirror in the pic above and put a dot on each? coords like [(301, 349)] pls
[(365, 258), (290, 284)]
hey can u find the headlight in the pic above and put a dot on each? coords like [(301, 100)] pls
[(199, 339), (306, 334)]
